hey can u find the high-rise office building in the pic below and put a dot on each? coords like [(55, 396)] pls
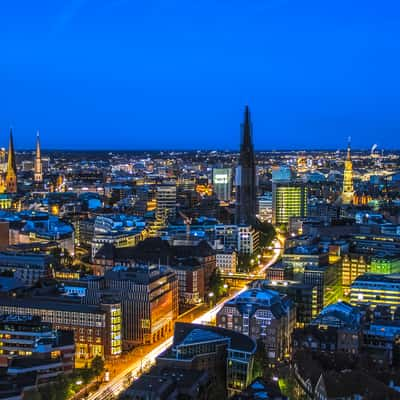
[(11, 174), (246, 189), (348, 188), (289, 199), (38, 174), (265, 207), (149, 301), (222, 183), (166, 202)]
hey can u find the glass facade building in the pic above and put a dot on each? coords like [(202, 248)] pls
[(288, 200)]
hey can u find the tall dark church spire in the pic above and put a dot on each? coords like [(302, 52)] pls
[(246, 189)]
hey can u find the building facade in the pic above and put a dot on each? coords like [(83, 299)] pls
[(166, 202), (149, 300), (97, 329), (222, 183), (289, 199), (27, 344), (262, 314), (29, 268), (375, 290), (223, 353), (226, 262)]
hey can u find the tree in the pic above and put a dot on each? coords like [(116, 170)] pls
[(55, 391), (216, 283), (32, 395), (260, 360), (97, 365), (266, 231), (244, 262), (216, 390)]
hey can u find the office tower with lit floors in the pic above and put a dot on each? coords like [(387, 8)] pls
[(289, 199), (166, 202), (222, 183), (246, 188)]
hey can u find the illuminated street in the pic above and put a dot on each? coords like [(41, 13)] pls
[(124, 378)]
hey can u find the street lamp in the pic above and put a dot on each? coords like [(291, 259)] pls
[(210, 296)]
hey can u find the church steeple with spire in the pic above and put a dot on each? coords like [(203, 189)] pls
[(348, 188), (11, 174), (38, 173), (246, 189)]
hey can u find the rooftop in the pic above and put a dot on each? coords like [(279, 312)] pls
[(381, 278), (201, 335), (304, 250), (238, 341), (38, 303)]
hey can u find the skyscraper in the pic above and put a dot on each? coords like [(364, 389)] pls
[(246, 190), (166, 202), (38, 174), (11, 174), (222, 183), (348, 188)]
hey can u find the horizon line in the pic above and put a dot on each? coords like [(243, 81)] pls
[(119, 150)]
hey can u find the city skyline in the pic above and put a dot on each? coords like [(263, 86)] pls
[(235, 148), (199, 200), (108, 75)]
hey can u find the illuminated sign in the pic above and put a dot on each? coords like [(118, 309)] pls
[(220, 178)]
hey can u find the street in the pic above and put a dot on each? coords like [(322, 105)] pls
[(144, 357)]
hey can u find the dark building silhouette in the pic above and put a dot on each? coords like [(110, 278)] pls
[(246, 189)]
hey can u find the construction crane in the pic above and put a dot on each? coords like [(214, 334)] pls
[(187, 221)]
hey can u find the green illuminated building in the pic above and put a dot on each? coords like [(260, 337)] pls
[(289, 199), (385, 263)]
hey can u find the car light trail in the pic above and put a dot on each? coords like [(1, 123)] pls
[(120, 382)]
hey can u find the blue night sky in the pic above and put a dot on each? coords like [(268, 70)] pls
[(151, 74)]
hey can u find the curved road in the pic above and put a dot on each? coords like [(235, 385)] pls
[(120, 382)]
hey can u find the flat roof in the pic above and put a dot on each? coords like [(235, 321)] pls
[(37, 303)]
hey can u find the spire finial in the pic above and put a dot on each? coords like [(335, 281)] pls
[(246, 128), (349, 147)]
